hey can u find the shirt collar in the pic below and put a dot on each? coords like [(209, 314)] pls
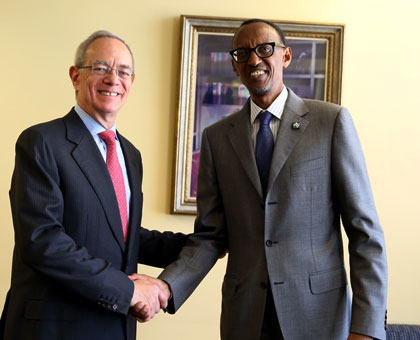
[(91, 124), (276, 108)]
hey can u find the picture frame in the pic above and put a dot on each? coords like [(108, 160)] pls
[(209, 90)]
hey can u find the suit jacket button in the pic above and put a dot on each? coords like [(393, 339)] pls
[(268, 243)]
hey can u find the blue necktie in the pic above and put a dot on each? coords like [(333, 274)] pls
[(264, 148)]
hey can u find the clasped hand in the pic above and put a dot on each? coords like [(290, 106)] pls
[(150, 295)]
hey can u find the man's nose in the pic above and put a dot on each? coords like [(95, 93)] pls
[(111, 76), (253, 59)]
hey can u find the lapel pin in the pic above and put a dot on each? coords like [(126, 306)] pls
[(296, 125)]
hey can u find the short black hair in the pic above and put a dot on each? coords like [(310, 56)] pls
[(277, 28)]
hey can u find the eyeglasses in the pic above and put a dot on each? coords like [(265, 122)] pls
[(101, 69), (241, 55)]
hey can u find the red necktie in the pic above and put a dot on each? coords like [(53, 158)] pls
[(117, 177)]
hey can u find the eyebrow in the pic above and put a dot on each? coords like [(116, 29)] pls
[(103, 62)]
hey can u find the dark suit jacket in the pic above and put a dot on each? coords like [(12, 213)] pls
[(292, 239), (70, 262)]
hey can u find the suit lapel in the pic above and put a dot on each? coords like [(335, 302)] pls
[(292, 127), (241, 140), (91, 163)]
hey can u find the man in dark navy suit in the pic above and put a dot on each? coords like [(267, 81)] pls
[(76, 199)]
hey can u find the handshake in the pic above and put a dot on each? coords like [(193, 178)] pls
[(150, 295)]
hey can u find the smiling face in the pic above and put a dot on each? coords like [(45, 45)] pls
[(263, 77), (103, 96)]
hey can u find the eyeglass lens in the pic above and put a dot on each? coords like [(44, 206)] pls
[(102, 69), (262, 51)]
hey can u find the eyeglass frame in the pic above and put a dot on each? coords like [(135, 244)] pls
[(109, 69), (273, 44)]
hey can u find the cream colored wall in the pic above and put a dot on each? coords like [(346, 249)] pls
[(380, 87)]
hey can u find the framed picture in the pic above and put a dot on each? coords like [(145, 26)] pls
[(209, 89)]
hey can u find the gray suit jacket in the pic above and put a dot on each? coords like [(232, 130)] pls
[(291, 241)]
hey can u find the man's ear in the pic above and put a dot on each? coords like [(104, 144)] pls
[(74, 73), (234, 68), (287, 57)]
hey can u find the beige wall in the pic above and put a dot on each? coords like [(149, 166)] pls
[(380, 87)]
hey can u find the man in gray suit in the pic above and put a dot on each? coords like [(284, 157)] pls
[(285, 276)]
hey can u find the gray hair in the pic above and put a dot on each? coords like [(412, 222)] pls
[(79, 59)]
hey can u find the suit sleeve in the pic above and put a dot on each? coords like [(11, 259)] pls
[(159, 249), (368, 265), (40, 238), (209, 238)]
